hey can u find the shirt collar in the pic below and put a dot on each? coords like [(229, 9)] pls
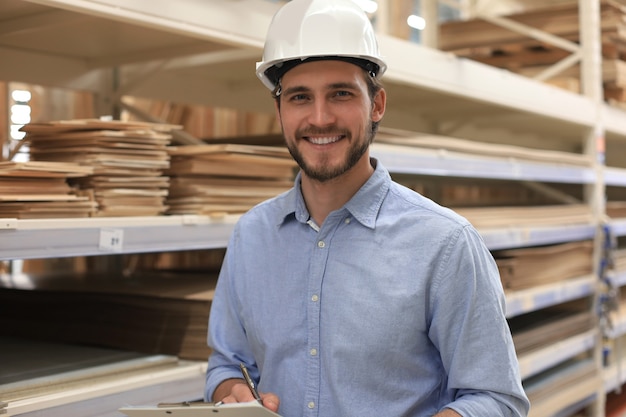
[(363, 206)]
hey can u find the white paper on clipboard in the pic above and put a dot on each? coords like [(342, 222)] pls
[(249, 409)]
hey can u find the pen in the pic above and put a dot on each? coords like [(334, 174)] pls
[(250, 383)]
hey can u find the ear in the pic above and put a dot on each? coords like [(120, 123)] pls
[(277, 111), (380, 103)]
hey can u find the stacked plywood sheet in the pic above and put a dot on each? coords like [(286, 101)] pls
[(543, 328), (128, 161), (527, 267), (226, 178), (491, 215), (471, 147), (39, 377), (485, 42), (616, 209), (152, 313), (41, 190), (619, 260), (548, 215)]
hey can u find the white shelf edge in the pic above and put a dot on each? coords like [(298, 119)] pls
[(619, 324), (410, 160), (535, 298), (618, 227), (618, 278), (55, 238), (482, 83), (127, 221), (613, 119), (615, 375), (514, 237), (615, 176), (542, 359), (566, 401), (95, 389), (220, 23)]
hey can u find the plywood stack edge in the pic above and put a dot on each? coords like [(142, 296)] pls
[(40, 190), (128, 160), (488, 43), (152, 313), (226, 178), (523, 268)]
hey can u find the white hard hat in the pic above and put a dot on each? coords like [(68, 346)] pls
[(325, 29)]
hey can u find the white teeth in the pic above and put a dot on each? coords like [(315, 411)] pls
[(324, 141)]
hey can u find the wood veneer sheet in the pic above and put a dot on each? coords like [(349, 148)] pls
[(549, 215), (150, 313), (528, 267), (417, 140), (114, 150)]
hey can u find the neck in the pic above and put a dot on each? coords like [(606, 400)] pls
[(322, 198)]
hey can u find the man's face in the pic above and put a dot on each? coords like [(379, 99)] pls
[(326, 115)]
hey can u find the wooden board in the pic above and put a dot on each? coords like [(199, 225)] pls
[(549, 215), (527, 267), (148, 313), (427, 141), (94, 124), (127, 159)]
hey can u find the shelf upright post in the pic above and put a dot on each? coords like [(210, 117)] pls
[(430, 34), (4, 121), (591, 87)]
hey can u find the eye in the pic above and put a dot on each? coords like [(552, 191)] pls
[(298, 98), (342, 94)]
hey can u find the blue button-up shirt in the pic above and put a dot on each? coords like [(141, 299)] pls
[(393, 307)]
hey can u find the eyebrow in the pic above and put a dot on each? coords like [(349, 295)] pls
[(333, 86)]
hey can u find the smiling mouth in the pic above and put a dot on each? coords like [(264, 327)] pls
[(323, 140)]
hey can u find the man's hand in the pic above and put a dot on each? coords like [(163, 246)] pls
[(237, 391)]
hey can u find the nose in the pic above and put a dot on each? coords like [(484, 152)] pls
[(321, 114)]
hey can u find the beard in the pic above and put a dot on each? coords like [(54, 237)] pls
[(324, 171)]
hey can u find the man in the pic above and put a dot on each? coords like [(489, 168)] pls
[(351, 295)]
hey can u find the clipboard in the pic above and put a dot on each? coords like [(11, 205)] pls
[(199, 409)]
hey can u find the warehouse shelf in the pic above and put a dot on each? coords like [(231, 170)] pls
[(536, 298), (618, 278), (618, 327), (205, 52), (615, 176), (407, 160), (98, 388), (618, 227), (48, 238), (546, 358), (613, 120), (564, 401), (512, 237), (615, 376), (187, 42)]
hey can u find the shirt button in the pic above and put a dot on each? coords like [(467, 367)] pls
[(321, 244), (313, 352), (347, 221), (315, 297), (311, 405)]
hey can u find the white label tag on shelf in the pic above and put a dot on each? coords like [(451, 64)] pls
[(111, 240)]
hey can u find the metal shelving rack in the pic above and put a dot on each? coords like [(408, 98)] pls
[(204, 53)]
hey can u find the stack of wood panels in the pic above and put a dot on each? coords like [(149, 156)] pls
[(536, 330), (148, 313), (528, 267), (491, 215), (226, 178), (488, 43), (616, 209), (128, 161), (41, 190)]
